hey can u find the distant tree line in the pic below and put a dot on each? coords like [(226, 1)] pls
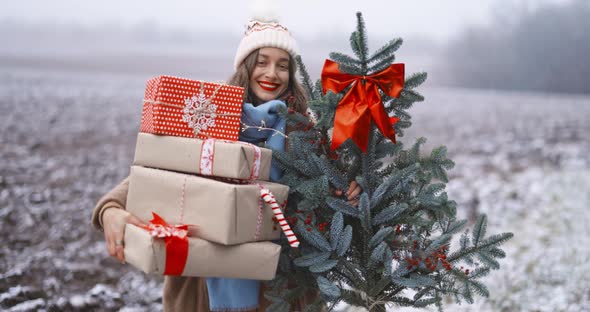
[(545, 50)]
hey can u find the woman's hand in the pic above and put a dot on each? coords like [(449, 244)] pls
[(352, 194), (113, 221)]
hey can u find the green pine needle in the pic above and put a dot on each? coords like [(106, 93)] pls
[(387, 50), (415, 80), (479, 229)]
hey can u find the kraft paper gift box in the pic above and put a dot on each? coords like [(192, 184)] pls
[(191, 108), (257, 260), (218, 158), (224, 213)]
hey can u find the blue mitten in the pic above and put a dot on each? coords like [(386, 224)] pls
[(265, 115)]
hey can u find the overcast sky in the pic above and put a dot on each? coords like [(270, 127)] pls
[(435, 19), (121, 32)]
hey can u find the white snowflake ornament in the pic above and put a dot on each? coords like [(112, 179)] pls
[(199, 112)]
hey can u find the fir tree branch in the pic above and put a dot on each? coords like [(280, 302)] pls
[(390, 213), (286, 163), (342, 206), (312, 258), (327, 287), (353, 298), (331, 173), (383, 283), (336, 229), (492, 241), (382, 64), (364, 207), (479, 272), (306, 80), (358, 277), (411, 95), (479, 229), (486, 259), (367, 160), (344, 277), (390, 187), (380, 236), (415, 80), (387, 50), (323, 266), (344, 59), (361, 37), (344, 241), (351, 69), (455, 226)]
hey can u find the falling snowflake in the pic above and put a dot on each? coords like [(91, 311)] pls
[(199, 112)]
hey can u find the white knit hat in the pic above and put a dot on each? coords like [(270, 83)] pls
[(261, 34)]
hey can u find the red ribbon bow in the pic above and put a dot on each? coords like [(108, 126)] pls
[(175, 237), (362, 103)]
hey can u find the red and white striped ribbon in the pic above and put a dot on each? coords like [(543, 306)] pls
[(207, 157), (255, 172), (208, 153), (269, 198)]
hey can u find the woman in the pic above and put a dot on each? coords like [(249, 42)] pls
[(265, 67)]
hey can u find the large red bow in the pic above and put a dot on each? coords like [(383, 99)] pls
[(175, 237), (362, 103)]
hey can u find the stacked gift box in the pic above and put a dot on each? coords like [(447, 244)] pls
[(205, 193)]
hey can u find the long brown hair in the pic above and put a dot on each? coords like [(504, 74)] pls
[(294, 96)]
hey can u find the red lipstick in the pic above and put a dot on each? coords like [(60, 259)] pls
[(268, 86)]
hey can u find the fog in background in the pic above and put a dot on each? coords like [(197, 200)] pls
[(523, 45), (542, 50)]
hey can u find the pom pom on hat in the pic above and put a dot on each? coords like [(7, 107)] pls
[(265, 11), (264, 30)]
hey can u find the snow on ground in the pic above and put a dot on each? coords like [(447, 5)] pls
[(528, 169), (67, 138)]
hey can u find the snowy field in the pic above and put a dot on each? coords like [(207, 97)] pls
[(67, 138)]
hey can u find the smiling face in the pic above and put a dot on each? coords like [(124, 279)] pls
[(270, 76)]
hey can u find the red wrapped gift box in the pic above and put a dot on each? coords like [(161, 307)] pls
[(191, 108)]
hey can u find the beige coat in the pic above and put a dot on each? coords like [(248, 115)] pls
[(180, 293)]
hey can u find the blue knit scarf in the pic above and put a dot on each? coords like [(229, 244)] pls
[(230, 294)]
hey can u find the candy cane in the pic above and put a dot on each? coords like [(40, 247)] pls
[(269, 198)]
